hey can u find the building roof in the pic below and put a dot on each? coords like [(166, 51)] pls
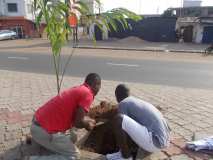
[(192, 7), (206, 20), (201, 20)]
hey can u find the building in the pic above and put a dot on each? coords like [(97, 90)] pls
[(18, 15), (190, 12), (19, 8), (196, 29), (192, 3)]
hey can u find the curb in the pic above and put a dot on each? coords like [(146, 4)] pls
[(141, 49)]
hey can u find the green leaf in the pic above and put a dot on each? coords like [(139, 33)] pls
[(98, 2), (80, 10), (110, 19), (83, 6), (38, 19), (57, 26)]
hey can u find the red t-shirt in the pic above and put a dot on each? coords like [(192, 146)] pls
[(58, 114), (73, 20)]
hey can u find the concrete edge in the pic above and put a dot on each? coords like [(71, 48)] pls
[(136, 49)]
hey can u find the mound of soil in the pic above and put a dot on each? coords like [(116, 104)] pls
[(103, 111), (131, 39), (101, 139)]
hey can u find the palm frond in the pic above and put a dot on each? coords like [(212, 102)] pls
[(83, 7), (119, 15), (55, 15)]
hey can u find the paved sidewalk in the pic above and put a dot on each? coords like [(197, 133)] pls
[(133, 43), (187, 110)]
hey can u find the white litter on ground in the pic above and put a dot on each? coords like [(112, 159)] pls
[(206, 143)]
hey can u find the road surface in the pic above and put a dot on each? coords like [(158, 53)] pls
[(171, 73)]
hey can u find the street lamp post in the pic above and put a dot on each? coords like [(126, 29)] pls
[(181, 6)]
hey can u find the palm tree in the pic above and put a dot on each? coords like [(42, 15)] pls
[(55, 13)]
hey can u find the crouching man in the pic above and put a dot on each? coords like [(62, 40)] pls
[(66, 110), (140, 122)]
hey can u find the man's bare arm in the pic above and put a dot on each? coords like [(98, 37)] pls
[(83, 121)]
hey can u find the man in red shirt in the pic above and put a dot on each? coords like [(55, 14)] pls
[(66, 110)]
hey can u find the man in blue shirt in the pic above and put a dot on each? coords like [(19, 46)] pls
[(141, 122)]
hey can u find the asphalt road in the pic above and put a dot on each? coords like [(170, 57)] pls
[(171, 73)]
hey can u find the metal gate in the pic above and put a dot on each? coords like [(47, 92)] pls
[(208, 34)]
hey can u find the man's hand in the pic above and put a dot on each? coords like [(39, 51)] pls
[(83, 121), (90, 124)]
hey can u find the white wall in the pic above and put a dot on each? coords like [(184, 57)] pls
[(2, 11), (198, 33), (29, 10), (20, 6), (1, 8)]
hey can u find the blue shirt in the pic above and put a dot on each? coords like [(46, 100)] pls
[(149, 116)]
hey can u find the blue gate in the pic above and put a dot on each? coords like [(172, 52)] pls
[(208, 34)]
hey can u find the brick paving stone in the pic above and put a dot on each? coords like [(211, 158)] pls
[(202, 124), (209, 130), (188, 137), (197, 155), (174, 136), (2, 147), (17, 134), (179, 142), (181, 157), (13, 154), (183, 131), (173, 150), (9, 136), (91, 156), (25, 124), (13, 127), (14, 117), (192, 127), (182, 122), (187, 110), (27, 117), (10, 144), (157, 156), (25, 131), (2, 137)]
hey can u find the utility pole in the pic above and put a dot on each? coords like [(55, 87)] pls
[(140, 5), (181, 7), (158, 6)]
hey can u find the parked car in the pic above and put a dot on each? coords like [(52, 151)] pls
[(7, 34)]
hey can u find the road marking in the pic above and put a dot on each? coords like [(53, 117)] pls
[(123, 64), (19, 58)]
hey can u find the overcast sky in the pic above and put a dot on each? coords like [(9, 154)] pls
[(147, 6)]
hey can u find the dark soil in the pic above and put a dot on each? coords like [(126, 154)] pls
[(103, 111), (101, 139)]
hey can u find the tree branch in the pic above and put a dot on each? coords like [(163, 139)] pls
[(69, 59)]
